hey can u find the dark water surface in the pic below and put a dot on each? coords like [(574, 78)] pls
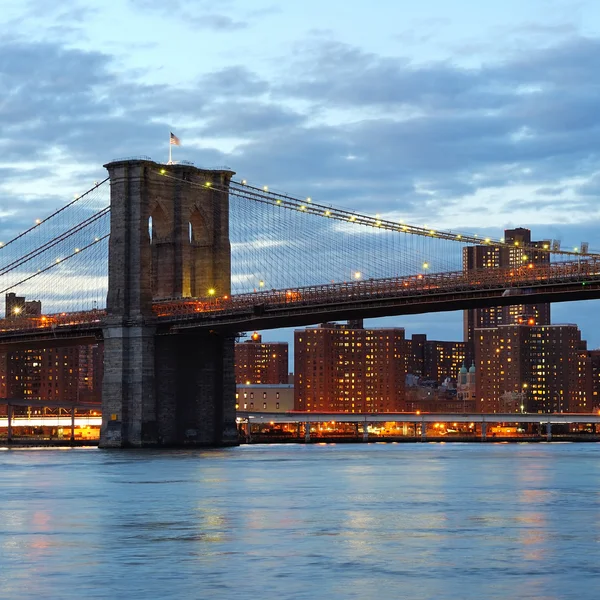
[(307, 522)]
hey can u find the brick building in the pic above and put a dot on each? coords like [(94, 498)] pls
[(70, 374), (590, 365), (531, 368), (348, 368), (258, 362), (433, 360)]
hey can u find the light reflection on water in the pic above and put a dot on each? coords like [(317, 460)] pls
[(291, 521)]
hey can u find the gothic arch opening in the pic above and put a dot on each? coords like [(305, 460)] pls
[(198, 231), (158, 224)]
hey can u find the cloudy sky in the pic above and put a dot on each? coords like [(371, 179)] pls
[(467, 115)]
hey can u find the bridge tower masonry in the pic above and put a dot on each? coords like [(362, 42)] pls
[(169, 239)]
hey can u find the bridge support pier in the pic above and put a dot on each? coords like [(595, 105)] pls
[(548, 432), (365, 432), (167, 390), (483, 432), (195, 390), (423, 431), (128, 401), (169, 239)]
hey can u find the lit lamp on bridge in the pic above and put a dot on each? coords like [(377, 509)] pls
[(357, 275)]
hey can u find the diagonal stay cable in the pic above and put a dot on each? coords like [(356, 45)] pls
[(59, 262), (53, 242), (42, 221)]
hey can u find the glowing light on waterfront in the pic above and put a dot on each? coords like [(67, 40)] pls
[(51, 422)]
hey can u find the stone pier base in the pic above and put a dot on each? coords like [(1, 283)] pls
[(167, 391)]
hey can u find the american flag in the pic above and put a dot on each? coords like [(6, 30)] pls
[(175, 140)]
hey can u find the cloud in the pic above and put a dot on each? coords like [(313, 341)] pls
[(525, 120), (235, 82), (349, 127), (198, 15), (591, 188), (243, 118), (76, 12)]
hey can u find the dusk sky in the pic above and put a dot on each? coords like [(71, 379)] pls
[(471, 116)]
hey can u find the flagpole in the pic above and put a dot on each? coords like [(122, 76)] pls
[(170, 161)]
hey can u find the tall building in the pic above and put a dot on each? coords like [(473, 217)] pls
[(59, 374), (530, 368), (22, 374), (521, 253), (258, 362), (433, 360), (592, 370), (349, 369)]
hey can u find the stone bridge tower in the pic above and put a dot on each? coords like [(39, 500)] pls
[(169, 239)]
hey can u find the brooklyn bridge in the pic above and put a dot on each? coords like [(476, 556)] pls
[(166, 263)]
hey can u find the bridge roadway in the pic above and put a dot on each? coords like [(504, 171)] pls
[(559, 282)]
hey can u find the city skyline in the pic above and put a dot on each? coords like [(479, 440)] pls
[(518, 367), (477, 116)]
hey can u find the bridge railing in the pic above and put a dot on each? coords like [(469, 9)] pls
[(512, 281), (52, 321)]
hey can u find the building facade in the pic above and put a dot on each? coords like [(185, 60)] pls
[(349, 369), (265, 398), (433, 360), (71, 374), (531, 368), (258, 362), (593, 370)]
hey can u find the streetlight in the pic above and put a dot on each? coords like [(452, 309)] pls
[(357, 275)]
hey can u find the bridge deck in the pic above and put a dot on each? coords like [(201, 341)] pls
[(574, 280)]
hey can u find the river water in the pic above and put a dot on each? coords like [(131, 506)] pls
[(311, 522)]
